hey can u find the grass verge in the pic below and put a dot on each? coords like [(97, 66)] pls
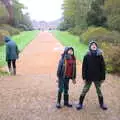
[(22, 40), (67, 39)]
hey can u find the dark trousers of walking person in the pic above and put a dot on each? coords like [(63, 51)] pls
[(86, 89), (12, 66), (63, 85)]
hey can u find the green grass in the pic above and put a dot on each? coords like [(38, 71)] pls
[(70, 40), (22, 40), (3, 73)]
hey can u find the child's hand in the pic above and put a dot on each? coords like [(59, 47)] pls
[(74, 81)]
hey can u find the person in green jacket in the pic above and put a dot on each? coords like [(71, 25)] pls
[(12, 54)]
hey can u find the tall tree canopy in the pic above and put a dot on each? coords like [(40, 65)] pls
[(75, 12), (96, 16), (16, 16), (112, 8)]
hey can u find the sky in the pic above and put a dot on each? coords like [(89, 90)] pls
[(47, 10)]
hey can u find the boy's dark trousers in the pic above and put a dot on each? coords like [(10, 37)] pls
[(63, 85), (86, 89), (12, 64)]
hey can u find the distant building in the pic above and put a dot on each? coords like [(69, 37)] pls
[(43, 25), (52, 27)]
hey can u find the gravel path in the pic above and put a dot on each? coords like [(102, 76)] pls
[(31, 95)]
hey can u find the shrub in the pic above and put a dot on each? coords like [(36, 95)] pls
[(2, 34), (112, 55), (93, 33), (23, 27), (10, 29), (2, 72), (76, 30)]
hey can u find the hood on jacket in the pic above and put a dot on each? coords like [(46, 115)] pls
[(97, 52), (66, 51), (92, 42), (7, 39)]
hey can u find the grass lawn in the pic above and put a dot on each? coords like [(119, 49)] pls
[(70, 40), (22, 41)]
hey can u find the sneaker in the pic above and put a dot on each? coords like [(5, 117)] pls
[(58, 106), (103, 107), (14, 71), (79, 107), (10, 71)]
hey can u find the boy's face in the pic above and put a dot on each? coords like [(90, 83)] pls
[(93, 46), (70, 52)]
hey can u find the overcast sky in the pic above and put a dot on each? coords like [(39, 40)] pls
[(47, 10)]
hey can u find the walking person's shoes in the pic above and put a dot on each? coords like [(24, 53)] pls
[(58, 106), (14, 71), (103, 107), (10, 71), (79, 107)]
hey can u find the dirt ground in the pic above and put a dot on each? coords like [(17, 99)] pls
[(31, 95)]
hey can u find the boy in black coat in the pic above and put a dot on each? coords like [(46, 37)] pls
[(66, 71), (93, 70)]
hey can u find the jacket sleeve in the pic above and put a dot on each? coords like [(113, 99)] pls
[(84, 68), (17, 50), (102, 68), (59, 70)]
